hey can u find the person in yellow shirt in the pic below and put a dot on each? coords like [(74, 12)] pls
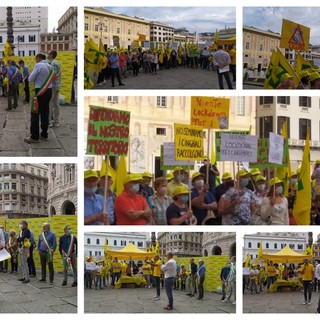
[(146, 269), (116, 269), (233, 57), (272, 272), (307, 271), (123, 267), (156, 264)]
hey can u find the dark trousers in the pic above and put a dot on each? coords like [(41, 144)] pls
[(200, 287), (88, 279), (43, 101), (168, 284), (4, 265), (31, 265), (14, 262), (307, 289), (102, 75), (115, 277), (226, 75), (13, 94), (115, 73), (26, 90), (44, 261), (233, 71), (156, 281)]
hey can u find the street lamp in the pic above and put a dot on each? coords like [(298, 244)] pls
[(101, 24)]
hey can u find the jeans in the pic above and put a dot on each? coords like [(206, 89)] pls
[(98, 281), (26, 90), (227, 77), (157, 285), (44, 260), (168, 285), (307, 289), (253, 286), (43, 101), (31, 265), (115, 277), (200, 287), (13, 93), (88, 279), (270, 281), (115, 73)]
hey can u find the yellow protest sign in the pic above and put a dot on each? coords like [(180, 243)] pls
[(210, 112), (142, 37), (136, 44), (294, 36), (188, 142)]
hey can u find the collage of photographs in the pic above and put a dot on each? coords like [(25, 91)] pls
[(113, 127)]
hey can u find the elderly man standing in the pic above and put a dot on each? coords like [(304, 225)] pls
[(169, 270), (201, 277), (68, 250), (130, 207), (24, 245), (14, 78), (93, 203), (222, 59), (47, 245)]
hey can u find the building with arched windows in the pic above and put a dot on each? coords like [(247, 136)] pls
[(219, 243), (62, 189)]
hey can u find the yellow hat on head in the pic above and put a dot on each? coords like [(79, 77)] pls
[(260, 178), (285, 76), (147, 175), (242, 173), (169, 176), (103, 170), (90, 173), (227, 175), (255, 171), (293, 173), (314, 76), (298, 170), (196, 175), (180, 190), (132, 177), (303, 73), (177, 169), (274, 181)]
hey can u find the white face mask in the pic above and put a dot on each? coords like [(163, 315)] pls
[(135, 187), (199, 183), (261, 187), (279, 190)]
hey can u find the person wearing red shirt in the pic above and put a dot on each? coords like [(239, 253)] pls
[(130, 207)]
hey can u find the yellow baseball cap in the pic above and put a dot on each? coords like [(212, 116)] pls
[(132, 177), (303, 73), (169, 176), (196, 175), (227, 175), (243, 173), (293, 173), (274, 181), (260, 178), (180, 190), (178, 169), (90, 173), (147, 175), (255, 171)]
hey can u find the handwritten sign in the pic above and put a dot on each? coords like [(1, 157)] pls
[(263, 161), (238, 147), (108, 131), (275, 148), (188, 141), (169, 156), (142, 37), (167, 167), (218, 140), (210, 112)]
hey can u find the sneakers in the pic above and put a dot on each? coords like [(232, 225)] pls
[(25, 281), (234, 302), (304, 302), (156, 298), (225, 300), (30, 140), (74, 284), (21, 279), (64, 283), (309, 303), (54, 124)]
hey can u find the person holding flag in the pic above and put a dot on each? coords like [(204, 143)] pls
[(47, 246), (68, 250)]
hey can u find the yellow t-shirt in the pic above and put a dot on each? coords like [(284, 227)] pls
[(272, 271), (116, 266), (146, 268), (233, 56), (157, 268), (307, 272)]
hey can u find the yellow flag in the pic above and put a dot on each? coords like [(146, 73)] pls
[(161, 54), (121, 174), (248, 261), (92, 55), (216, 39), (284, 173), (111, 172), (302, 206), (260, 251), (88, 83), (7, 50), (294, 36), (303, 64)]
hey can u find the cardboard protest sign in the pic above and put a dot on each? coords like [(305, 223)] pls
[(275, 148), (169, 156), (108, 131), (188, 141), (190, 164), (210, 112), (238, 147)]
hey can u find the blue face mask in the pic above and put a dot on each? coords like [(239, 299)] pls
[(90, 190), (244, 182), (185, 198), (135, 187)]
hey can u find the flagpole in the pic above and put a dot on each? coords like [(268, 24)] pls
[(105, 186), (190, 221), (208, 162)]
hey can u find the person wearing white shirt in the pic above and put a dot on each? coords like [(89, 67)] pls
[(222, 59), (169, 270)]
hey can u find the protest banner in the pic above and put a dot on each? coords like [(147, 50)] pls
[(218, 140), (168, 167), (146, 44), (188, 141), (136, 44), (108, 131), (142, 37), (263, 161), (169, 156), (210, 112), (275, 148), (294, 36), (238, 147), (4, 255), (174, 46)]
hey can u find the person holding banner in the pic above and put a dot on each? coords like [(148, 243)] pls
[(179, 213), (274, 207), (93, 203), (68, 250), (130, 207), (47, 246), (202, 201), (14, 78), (42, 76), (56, 87), (239, 201)]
